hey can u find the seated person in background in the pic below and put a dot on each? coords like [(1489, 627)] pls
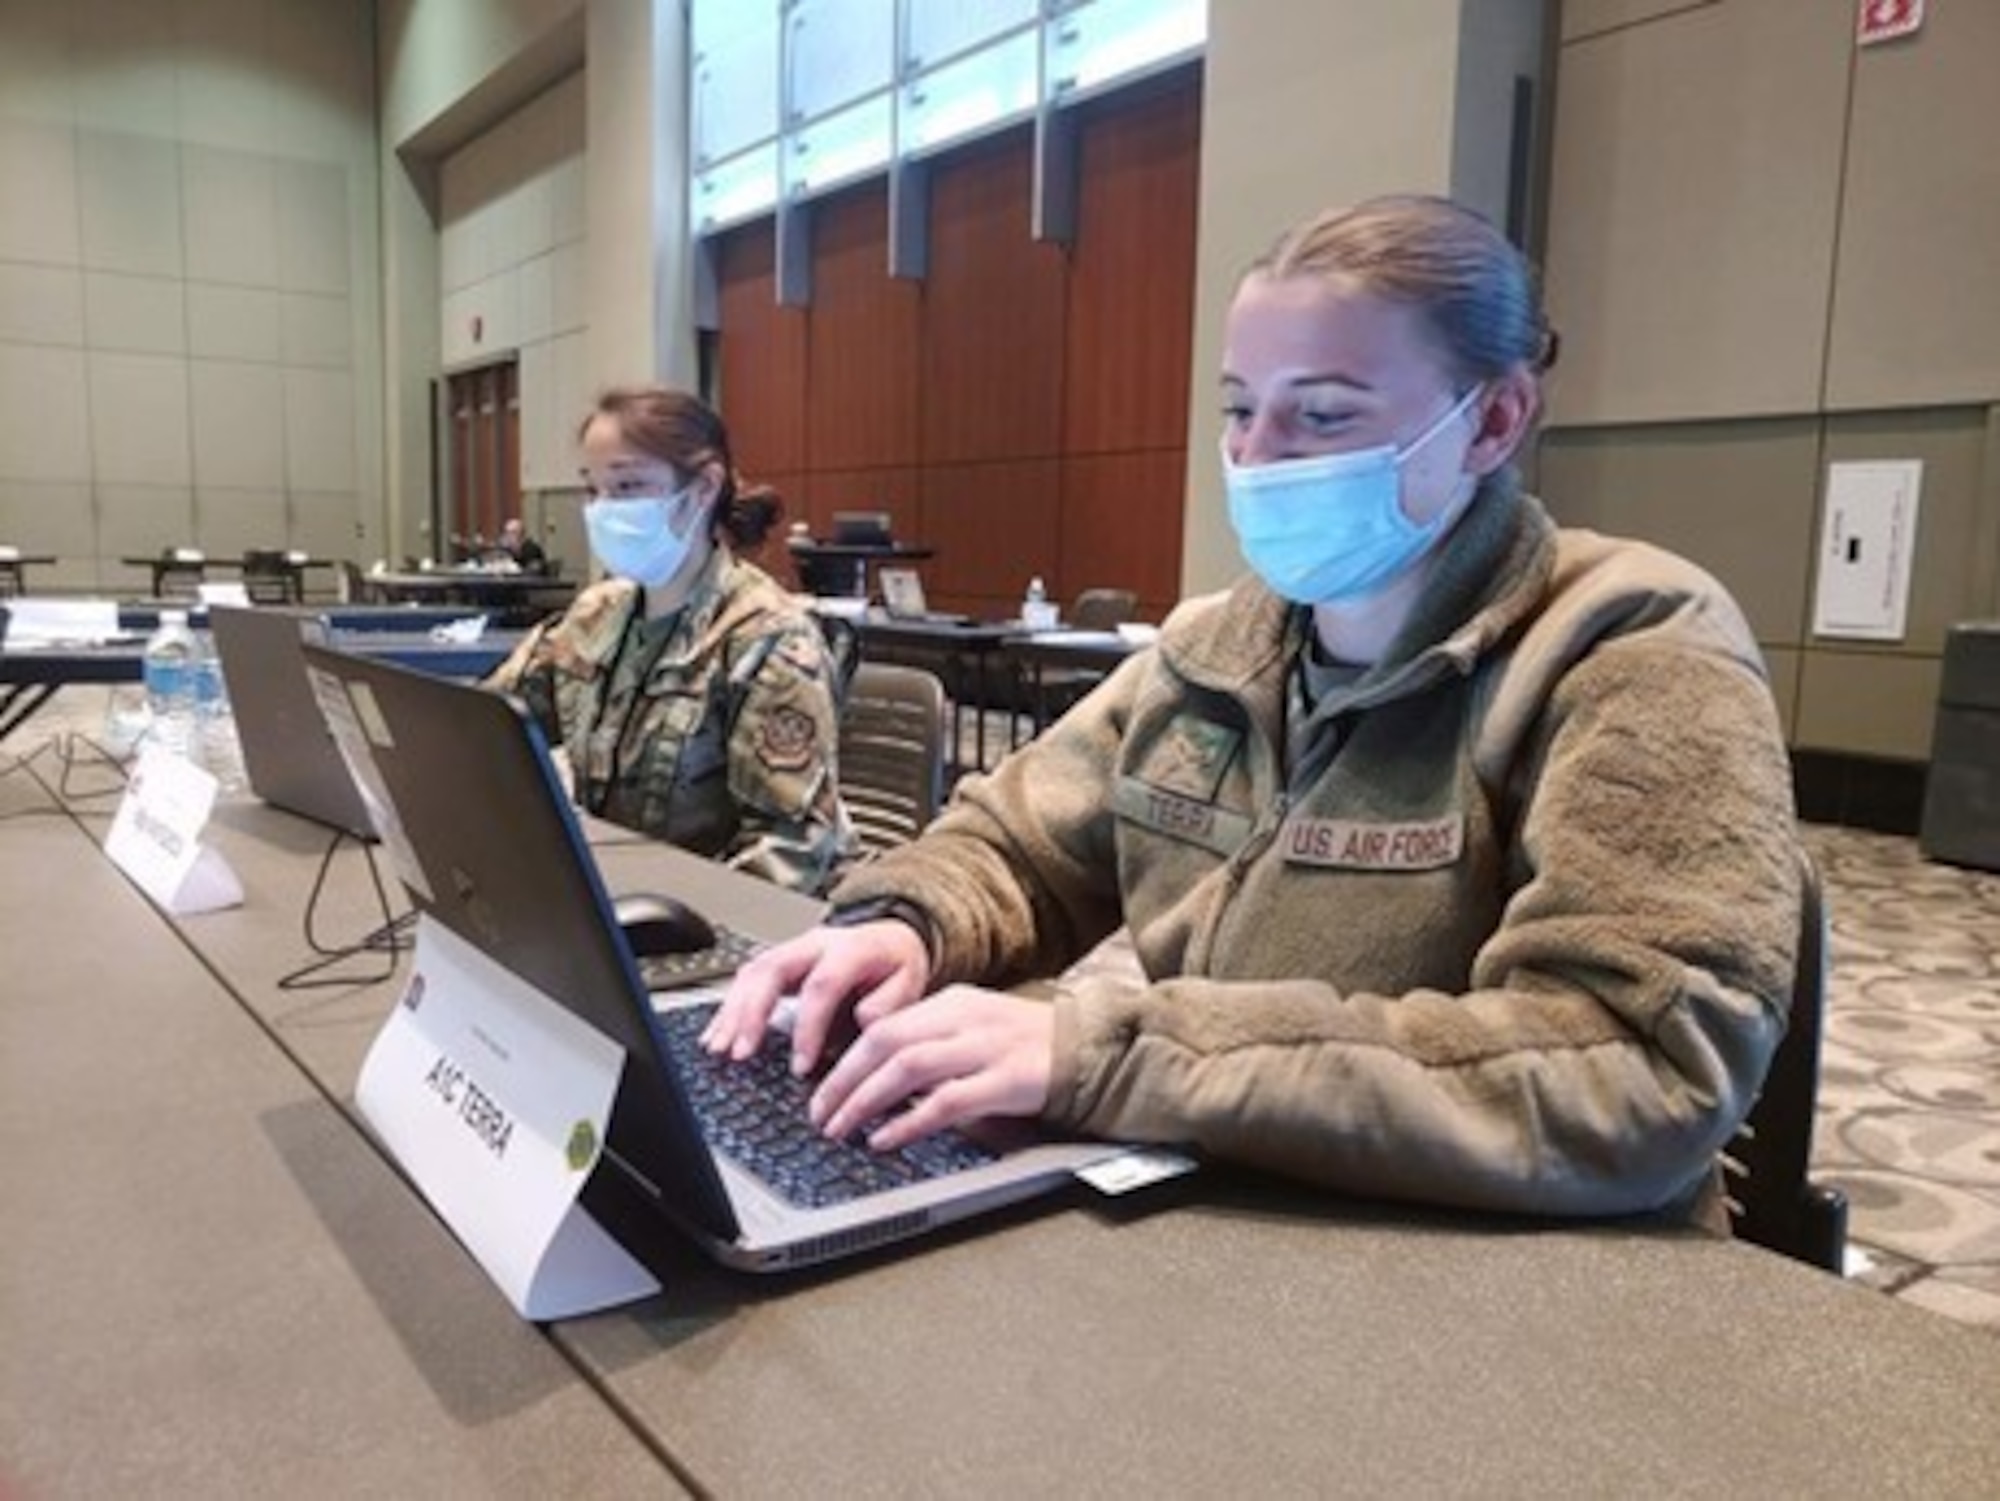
[(694, 697), (524, 551), (1457, 849)]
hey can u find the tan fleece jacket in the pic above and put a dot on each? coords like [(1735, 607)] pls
[(1518, 933)]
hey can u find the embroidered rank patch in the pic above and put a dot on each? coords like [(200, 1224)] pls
[(786, 740), (1180, 817), (1350, 844), (1192, 756)]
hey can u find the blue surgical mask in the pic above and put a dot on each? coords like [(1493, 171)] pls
[(633, 535), (1332, 527)]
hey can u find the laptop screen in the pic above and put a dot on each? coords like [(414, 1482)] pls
[(487, 843), (862, 528), (289, 757)]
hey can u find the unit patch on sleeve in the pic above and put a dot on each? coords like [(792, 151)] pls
[(785, 740)]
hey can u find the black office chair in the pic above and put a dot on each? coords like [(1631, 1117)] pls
[(1773, 1201), (892, 745), (843, 649), (270, 579), (180, 573)]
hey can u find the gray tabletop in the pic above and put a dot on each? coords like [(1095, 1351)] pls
[(210, 1282)]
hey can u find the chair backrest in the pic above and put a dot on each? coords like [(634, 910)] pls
[(892, 744), (180, 573), (269, 577), (1103, 609), (1773, 1201)]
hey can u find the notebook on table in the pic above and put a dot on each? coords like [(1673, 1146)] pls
[(505, 865), (289, 757)]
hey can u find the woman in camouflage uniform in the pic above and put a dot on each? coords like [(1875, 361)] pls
[(696, 700), (1457, 848)]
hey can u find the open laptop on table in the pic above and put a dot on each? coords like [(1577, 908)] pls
[(903, 597), (289, 757), (480, 812)]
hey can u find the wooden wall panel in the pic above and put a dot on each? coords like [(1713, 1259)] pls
[(1130, 329), (993, 312), (762, 392), (865, 405), (1023, 410), (1121, 525), (994, 526), (791, 486)]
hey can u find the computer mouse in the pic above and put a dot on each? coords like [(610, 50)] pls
[(656, 924)]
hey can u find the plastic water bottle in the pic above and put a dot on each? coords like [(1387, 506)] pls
[(169, 670), (217, 747), (1037, 614)]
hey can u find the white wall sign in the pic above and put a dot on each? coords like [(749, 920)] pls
[(1885, 20), (1867, 545)]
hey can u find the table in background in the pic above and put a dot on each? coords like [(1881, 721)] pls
[(520, 598), (14, 571), (840, 569), (1221, 1336), (294, 569), (1034, 657), (31, 676)]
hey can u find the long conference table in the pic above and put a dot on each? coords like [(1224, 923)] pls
[(212, 1282)]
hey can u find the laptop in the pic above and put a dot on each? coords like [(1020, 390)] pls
[(481, 816), (289, 757), (862, 529), (903, 597)]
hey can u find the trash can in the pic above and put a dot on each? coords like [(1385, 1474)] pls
[(1961, 822)]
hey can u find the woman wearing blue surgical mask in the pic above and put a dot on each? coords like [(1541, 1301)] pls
[(1457, 850), (696, 700)]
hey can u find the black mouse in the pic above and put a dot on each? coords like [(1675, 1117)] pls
[(657, 924)]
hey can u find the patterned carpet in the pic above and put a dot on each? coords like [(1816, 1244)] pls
[(1909, 1106)]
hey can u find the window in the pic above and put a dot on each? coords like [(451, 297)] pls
[(792, 98)]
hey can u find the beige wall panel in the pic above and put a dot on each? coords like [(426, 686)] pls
[(1735, 497), (53, 517), (1783, 665), (1284, 83), (38, 172), (1916, 310), (136, 314), (1694, 189), (1947, 578), (1867, 703), (136, 521), (1583, 18), (41, 305)]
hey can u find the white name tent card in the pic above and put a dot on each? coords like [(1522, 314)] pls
[(496, 1101), (156, 836)]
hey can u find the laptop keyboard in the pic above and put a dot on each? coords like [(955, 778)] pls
[(755, 1112), (700, 966)]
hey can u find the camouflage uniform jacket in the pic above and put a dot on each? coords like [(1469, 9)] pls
[(1516, 931), (724, 743)]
